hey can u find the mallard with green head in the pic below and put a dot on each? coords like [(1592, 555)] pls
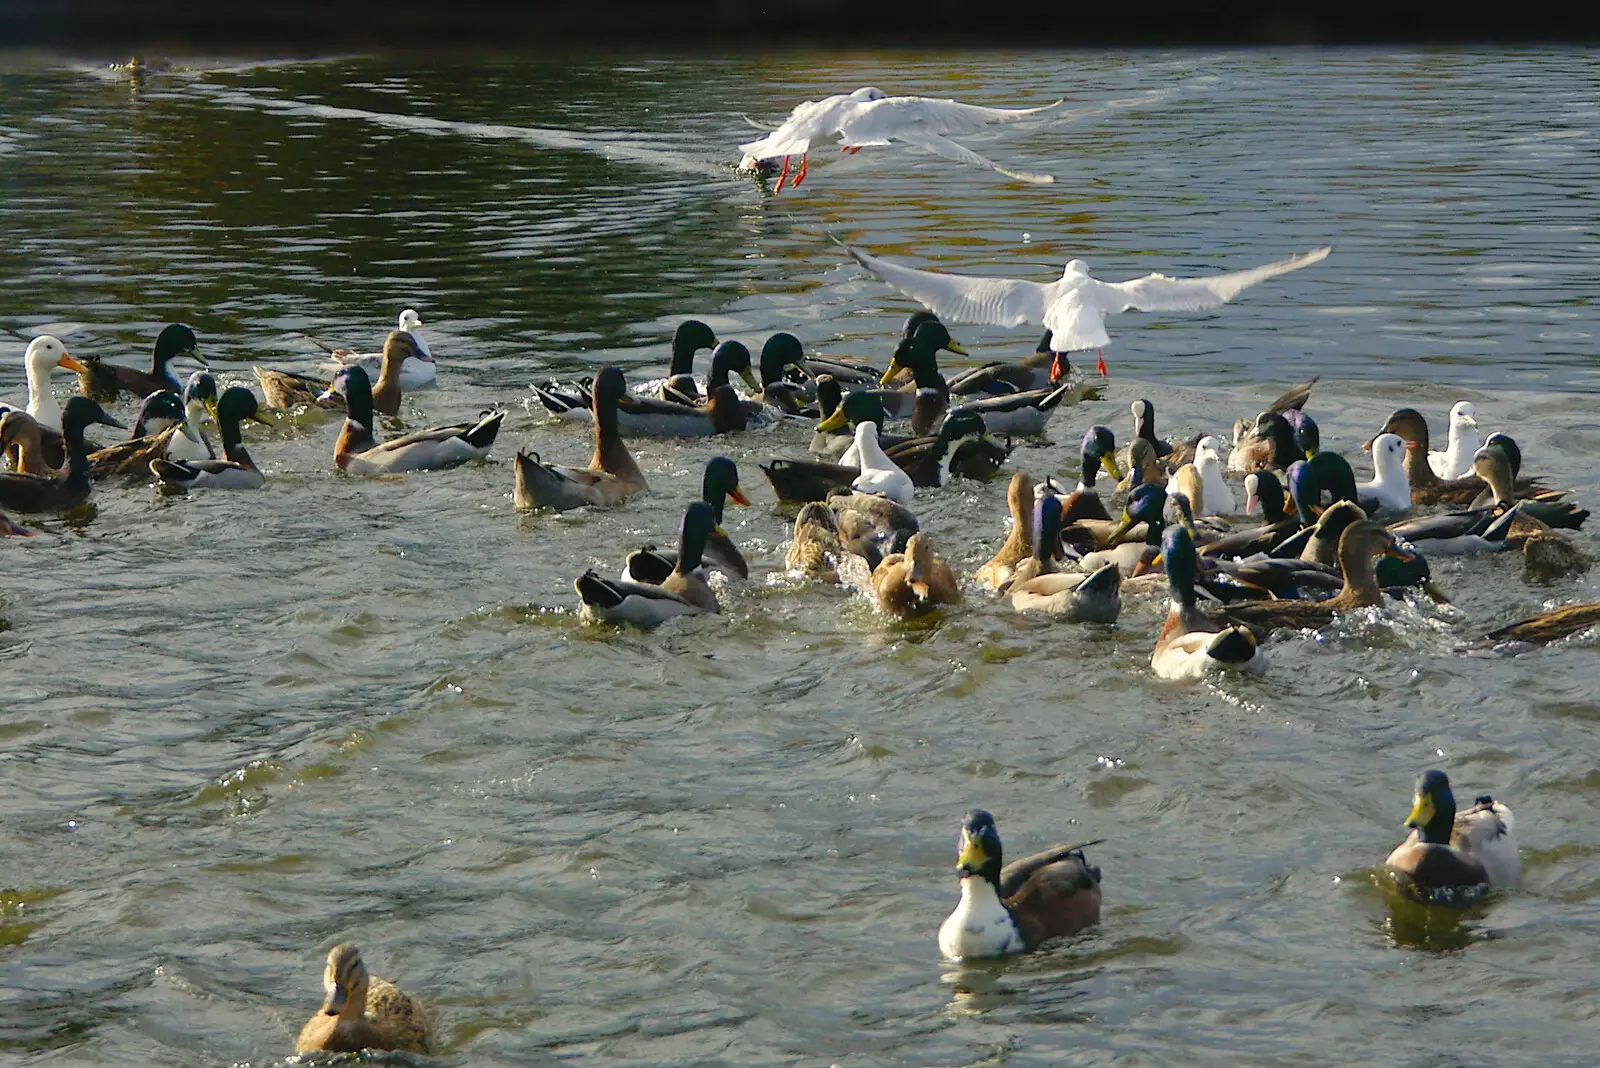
[(1450, 857), (1191, 644), (362, 1011), (174, 341), (163, 411), (36, 493), (1016, 907), (358, 451), (719, 485), (781, 358), (1039, 585), (236, 470), (689, 338), (1146, 505), (684, 592)]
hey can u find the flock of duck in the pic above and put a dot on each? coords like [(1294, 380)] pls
[(1307, 542)]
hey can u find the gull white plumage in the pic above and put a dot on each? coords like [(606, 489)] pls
[(869, 116), (1074, 307), (1465, 441)]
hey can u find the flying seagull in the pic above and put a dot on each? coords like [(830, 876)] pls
[(870, 116), (1074, 308)]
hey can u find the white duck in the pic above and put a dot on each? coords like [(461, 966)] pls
[(879, 474), (45, 353), (1389, 492), (1208, 462), (415, 371), (1465, 441)]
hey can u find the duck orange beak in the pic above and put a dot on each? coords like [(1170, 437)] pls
[(70, 364), (736, 495)]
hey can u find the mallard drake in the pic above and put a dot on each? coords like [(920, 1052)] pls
[(722, 413), (728, 358), (1258, 455), (358, 451), (689, 338), (1359, 543), (858, 406), (879, 474), (44, 354), (362, 1011), (1326, 473), (1147, 504), (1039, 585), (1496, 464), (782, 355), (1261, 488), (1319, 542), (1456, 460), (1450, 857), (611, 477), (909, 583), (1006, 413), (284, 390), (416, 369), (22, 443), (173, 341), (1022, 414), (1097, 453), (35, 493), (1018, 545), (1192, 645), (199, 401), (830, 443), (814, 546), (858, 374), (236, 470), (1018, 907), (1551, 626), (1034, 372), (132, 457), (719, 485), (684, 592)]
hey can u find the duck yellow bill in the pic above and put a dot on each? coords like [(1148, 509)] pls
[(833, 422), (1109, 464), (264, 420), (70, 364), (953, 346), (195, 352), (750, 379), (1421, 811), (972, 856), (895, 367), (736, 495)]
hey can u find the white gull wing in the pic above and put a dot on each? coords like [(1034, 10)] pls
[(809, 121), (874, 122), (1157, 292), (965, 298), (941, 146)]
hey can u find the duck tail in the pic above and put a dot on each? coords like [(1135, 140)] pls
[(487, 429), (169, 472), (553, 402), (1236, 645), (596, 591)]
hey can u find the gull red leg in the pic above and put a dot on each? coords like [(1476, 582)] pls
[(1100, 362), (854, 149), (782, 174), (800, 175)]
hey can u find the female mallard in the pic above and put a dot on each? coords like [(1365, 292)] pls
[(1359, 543), (174, 341), (1551, 626), (1144, 467), (236, 470), (416, 368), (1450, 857), (44, 354), (361, 1011), (1269, 442), (398, 348), (611, 477), (910, 583), (1019, 541), (689, 338), (35, 493), (719, 485), (1495, 464), (1018, 907), (814, 546), (1191, 645), (1039, 585), (683, 593), (358, 451), (163, 409), (22, 443), (284, 390), (870, 526), (1456, 460)]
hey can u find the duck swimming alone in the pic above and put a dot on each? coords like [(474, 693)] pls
[(362, 1011), (1450, 857), (358, 451), (1018, 907)]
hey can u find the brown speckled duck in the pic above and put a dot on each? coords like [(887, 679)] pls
[(361, 1011)]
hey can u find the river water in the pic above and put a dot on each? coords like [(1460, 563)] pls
[(241, 727)]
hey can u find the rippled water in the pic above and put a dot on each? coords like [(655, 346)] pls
[(240, 727)]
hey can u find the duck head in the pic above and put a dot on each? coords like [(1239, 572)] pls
[(858, 406), (1099, 451), (730, 357), (782, 356), (721, 482), (44, 354), (174, 341), (1433, 807), (978, 850)]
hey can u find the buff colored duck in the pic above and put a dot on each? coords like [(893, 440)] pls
[(1018, 546), (1017, 907), (1452, 857), (362, 1011), (22, 443), (285, 390), (683, 593), (1191, 644), (915, 581), (611, 476), (358, 451)]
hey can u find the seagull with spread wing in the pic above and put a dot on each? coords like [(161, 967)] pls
[(869, 116), (1075, 307)]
